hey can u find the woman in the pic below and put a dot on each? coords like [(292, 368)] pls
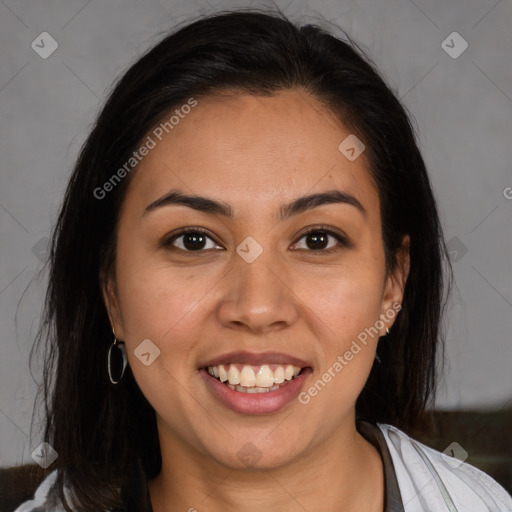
[(248, 217)]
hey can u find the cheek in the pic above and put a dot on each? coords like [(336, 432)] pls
[(155, 299), (161, 305), (345, 310), (347, 353), (347, 301)]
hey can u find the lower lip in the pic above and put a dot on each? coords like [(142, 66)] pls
[(255, 403)]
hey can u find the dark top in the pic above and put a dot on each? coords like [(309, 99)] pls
[(392, 497), (136, 493)]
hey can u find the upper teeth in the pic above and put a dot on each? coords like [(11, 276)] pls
[(254, 376)]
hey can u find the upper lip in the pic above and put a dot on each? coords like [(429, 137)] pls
[(256, 359)]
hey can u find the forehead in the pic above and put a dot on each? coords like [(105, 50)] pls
[(246, 148)]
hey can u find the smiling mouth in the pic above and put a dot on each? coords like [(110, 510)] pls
[(246, 378)]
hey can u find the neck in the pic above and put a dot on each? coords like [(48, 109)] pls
[(342, 473)]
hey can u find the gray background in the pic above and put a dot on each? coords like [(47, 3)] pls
[(463, 112)]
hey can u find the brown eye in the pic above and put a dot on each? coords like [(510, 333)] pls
[(317, 240), (192, 240), (321, 240)]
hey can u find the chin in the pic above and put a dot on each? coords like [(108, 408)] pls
[(261, 451)]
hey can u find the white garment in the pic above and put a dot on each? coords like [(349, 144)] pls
[(39, 499), (429, 481)]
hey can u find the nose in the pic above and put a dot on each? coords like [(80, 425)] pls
[(259, 297)]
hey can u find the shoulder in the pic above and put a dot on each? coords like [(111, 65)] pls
[(45, 499), (33, 500), (431, 480)]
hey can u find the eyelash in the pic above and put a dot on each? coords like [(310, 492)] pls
[(342, 240)]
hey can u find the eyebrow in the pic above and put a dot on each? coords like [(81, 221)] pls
[(213, 207)]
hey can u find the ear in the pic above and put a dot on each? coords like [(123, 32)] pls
[(110, 298), (394, 286)]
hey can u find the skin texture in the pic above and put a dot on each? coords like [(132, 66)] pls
[(256, 154)]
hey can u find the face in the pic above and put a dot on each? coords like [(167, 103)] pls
[(261, 281)]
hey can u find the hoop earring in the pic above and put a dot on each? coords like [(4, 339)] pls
[(120, 351)]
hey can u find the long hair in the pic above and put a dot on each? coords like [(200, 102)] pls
[(98, 429)]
